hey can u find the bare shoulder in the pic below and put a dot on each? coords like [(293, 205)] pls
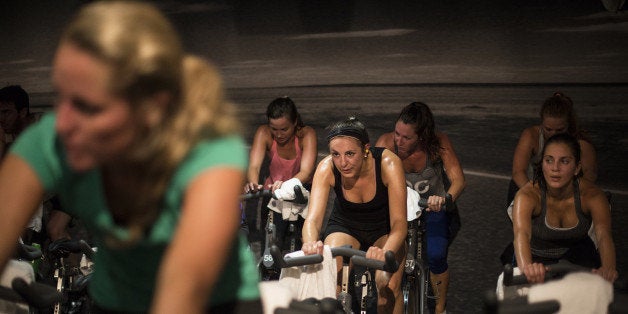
[(593, 199), (306, 132), (530, 133), (443, 138), (530, 192), (324, 171), (586, 146), (263, 135), (588, 189), (391, 164), (263, 130), (325, 165), (389, 158), (528, 198), (386, 140), (446, 151)]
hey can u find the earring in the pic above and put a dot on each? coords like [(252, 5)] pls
[(366, 153)]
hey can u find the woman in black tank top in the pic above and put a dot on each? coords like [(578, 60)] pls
[(552, 214), (370, 208)]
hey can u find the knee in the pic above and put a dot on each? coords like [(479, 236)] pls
[(438, 262), (437, 259)]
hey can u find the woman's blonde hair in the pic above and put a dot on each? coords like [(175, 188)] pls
[(146, 60)]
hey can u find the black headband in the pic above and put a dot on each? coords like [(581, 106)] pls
[(359, 134)]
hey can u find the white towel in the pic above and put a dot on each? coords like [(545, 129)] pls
[(311, 281), (414, 211), (286, 191), (15, 269), (274, 295), (579, 292), (283, 205)]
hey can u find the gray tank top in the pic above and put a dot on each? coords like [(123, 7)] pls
[(552, 242), (429, 181)]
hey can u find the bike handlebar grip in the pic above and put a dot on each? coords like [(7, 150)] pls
[(10, 295), (293, 261), (553, 270), (508, 274), (448, 202), (37, 294), (369, 263), (299, 198), (548, 306), (258, 194), (86, 249), (28, 252), (389, 265), (563, 267), (65, 246), (510, 279), (346, 251), (303, 260), (423, 203), (515, 307)]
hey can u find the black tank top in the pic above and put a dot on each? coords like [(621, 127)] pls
[(372, 215), (552, 242)]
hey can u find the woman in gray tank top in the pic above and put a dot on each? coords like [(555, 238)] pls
[(552, 214)]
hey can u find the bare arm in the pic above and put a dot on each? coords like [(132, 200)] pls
[(321, 184), (394, 178), (588, 160), (522, 156), (202, 242), (20, 196), (259, 147), (452, 167), (525, 203), (308, 158), (596, 203)]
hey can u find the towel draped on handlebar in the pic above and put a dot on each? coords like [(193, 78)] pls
[(311, 281), (282, 201)]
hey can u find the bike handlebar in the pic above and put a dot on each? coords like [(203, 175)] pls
[(253, 195), (284, 262), (37, 294), (299, 198), (494, 306), (553, 270), (357, 257), (448, 202), (28, 252), (389, 265), (63, 247)]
